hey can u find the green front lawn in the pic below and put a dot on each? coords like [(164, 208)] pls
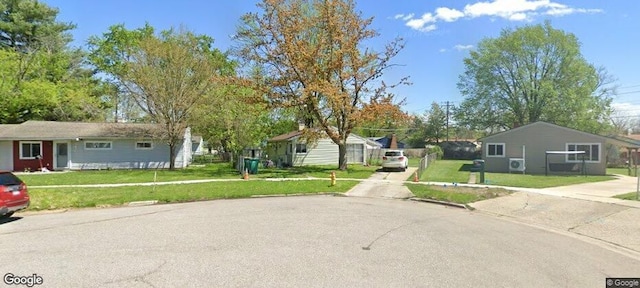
[(216, 171), (455, 194), (458, 171), (628, 196), (539, 181), (414, 161), (621, 171), (44, 199), (447, 171)]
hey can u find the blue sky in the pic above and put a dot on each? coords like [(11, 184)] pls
[(438, 34)]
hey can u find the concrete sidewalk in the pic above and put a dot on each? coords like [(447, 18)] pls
[(583, 209)]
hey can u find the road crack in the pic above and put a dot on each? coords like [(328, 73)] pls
[(570, 229), (368, 247), (140, 278)]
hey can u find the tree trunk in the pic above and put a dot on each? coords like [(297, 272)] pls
[(172, 156), (342, 156)]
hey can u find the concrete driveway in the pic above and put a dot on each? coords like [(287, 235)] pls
[(384, 185), (313, 241), (584, 209)]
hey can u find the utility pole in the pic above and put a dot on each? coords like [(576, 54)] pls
[(448, 104)]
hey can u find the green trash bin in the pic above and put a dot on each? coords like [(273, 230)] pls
[(254, 165), (251, 165)]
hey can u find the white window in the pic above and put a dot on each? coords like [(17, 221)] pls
[(144, 145), (97, 145), (495, 149), (30, 150), (301, 148), (591, 152)]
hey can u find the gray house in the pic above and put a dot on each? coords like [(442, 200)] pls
[(34, 145), (541, 147), (290, 150)]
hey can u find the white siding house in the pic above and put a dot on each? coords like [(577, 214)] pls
[(35, 145), (291, 150)]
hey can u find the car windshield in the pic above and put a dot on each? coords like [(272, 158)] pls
[(9, 179), (392, 153)]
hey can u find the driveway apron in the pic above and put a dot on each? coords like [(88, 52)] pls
[(388, 185)]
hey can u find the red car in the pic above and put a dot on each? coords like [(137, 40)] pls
[(13, 194)]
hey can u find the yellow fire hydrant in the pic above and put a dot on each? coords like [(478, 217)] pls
[(333, 178)]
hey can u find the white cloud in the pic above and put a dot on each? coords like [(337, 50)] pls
[(423, 24), (512, 10), (448, 14), (461, 47), (403, 16), (504, 8), (518, 17), (442, 50)]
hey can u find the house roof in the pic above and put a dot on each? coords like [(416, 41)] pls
[(285, 137), (385, 142), (615, 140), (633, 136), (295, 134), (52, 130), (196, 138)]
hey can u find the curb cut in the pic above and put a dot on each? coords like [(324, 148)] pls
[(142, 203), (441, 203)]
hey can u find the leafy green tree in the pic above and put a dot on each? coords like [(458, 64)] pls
[(110, 53), (27, 25), (229, 121), (41, 77), (436, 126), (533, 73), (416, 136), (167, 74)]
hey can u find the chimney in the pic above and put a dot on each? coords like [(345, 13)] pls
[(301, 126), (394, 142)]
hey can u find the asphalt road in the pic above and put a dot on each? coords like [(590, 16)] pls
[(312, 241)]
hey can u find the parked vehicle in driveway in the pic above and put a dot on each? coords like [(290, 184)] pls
[(394, 159), (13, 194)]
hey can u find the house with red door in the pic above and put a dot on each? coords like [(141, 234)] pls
[(52, 145)]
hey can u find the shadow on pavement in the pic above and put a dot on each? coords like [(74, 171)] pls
[(4, 220)]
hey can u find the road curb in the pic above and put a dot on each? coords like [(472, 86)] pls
[(142, 203), (298, 194), (456, 205)]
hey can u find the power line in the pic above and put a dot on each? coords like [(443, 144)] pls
[(631, 86), (628, 92)]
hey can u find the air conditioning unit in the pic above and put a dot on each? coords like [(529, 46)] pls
[(516, 164)]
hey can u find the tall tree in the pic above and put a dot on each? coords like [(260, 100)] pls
[(310, 53), (30, 24), (109, 53), (436, 126), (531, 74), (166, 74), (42, 78), (416, 134)]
